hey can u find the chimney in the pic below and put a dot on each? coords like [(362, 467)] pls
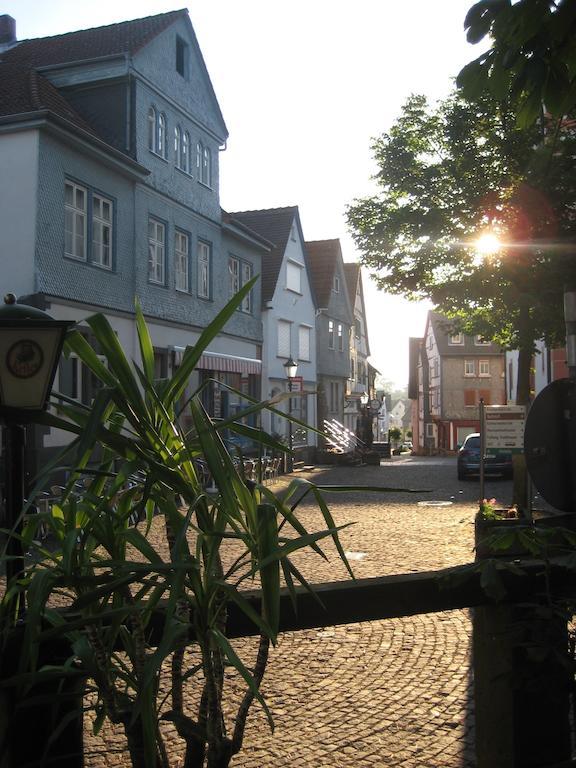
[(7, 30)]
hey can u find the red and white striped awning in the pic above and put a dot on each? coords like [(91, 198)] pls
[(212, 361)]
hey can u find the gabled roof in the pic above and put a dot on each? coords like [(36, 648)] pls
[(441, 327), (240, 230), (352, 271), (275, 225), (353, 282), (25, 92), (323, 258), (124, 37)]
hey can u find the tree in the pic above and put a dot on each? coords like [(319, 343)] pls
[(445, 175), (532, 60)]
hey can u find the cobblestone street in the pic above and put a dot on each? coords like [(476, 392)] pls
[(388, 693)]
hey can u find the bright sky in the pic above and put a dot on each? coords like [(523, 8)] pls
[(304, 86)]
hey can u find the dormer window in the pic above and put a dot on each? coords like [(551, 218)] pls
[(456, 339), (182, 58)]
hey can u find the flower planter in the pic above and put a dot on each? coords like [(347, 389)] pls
[(486, 531)]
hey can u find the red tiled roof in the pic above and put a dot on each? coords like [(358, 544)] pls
[(124, 37), (323, 257), (274, 224), (24, 90)]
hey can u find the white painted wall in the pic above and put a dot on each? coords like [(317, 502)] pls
[(18, 195)]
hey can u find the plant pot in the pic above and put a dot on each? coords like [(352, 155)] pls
[(487, 531)]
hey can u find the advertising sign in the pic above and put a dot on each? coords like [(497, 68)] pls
[(504, 428)]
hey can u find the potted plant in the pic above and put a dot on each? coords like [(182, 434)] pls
[(133, 607)]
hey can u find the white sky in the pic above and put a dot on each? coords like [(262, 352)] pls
[(304, 86)]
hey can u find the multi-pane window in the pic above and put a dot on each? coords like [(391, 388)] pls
[(483, 368), (233, 276), (203, 164), (340, 338), (157, 135), (181, 261), (293, 277), (182, 149), (101, 231), (304, 342), (75, 221), (156, 251), (239, 273), (88, 225), (204, 269), (283, 338), (469, 368), (456, 339), (330, 334), (246, 277)]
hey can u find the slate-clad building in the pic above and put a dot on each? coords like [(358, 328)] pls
[(109, 148), (334, 320)]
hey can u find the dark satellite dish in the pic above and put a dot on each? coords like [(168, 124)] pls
[(547, 444)]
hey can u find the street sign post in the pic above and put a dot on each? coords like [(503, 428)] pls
[(504, 429)]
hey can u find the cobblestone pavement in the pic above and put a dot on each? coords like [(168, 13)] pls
[(387, 693)]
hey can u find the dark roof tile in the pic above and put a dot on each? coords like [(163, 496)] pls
[(274, 224), (323, 256), (124, 37)]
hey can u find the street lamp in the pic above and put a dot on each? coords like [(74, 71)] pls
[(290, 368), (30, 347)]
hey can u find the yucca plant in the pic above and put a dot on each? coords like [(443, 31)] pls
[(132, 607)]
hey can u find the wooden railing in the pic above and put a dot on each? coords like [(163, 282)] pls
[(538, 732)]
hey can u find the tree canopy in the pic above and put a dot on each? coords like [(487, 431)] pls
[(531, 62), (447, 173)]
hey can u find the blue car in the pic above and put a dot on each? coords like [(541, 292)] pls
[(468, 462)]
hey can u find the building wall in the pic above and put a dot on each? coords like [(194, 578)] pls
[(456, 383), (18, 214), (69, 278)]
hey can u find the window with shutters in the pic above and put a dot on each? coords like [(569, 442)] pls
[(283, 338), (470, 398), (293, 277), (304, 342)]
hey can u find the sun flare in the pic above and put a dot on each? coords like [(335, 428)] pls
[(488, 244)]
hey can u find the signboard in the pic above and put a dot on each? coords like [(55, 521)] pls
[(504, 429), (297, 384)]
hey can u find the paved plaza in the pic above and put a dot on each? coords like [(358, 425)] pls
[(388, 693)]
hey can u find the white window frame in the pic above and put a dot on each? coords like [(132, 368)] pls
[(246, 275), (204, 259), (469, 368), (456, 340), (234, 275), (294, 276), (304, 338), (479, 341), (181, 261), (76, 222), (330, 334), (101, 249), (161, 132), (283, 338), (340, 334), (156, 251), (484, 368), (152, 116)]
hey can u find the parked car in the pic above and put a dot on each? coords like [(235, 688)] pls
[(468, 462)]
